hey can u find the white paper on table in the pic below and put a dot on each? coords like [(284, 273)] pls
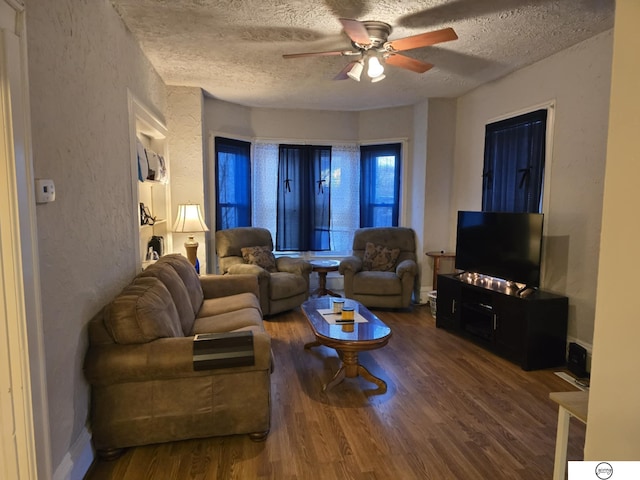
[(330, 317)]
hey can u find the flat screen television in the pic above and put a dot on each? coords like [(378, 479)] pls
[(503, 245)]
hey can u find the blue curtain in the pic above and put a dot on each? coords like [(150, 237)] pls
[(233, 183), (304, 174), (514, 158), (380, 185)]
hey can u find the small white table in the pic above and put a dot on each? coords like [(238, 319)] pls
[(571, 404)]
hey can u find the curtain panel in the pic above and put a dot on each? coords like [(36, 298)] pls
[(303, 206), (514, 163)]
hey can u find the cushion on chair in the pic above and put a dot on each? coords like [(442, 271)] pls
[(377, 283), (379, 258), (285, 285), (261, 256)]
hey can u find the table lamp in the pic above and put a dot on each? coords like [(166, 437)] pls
[(189, 220)]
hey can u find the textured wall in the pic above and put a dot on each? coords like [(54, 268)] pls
[(186, 150), (440, 149), (81, 62), (578, 80)]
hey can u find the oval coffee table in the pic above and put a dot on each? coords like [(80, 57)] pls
[(367, 332)]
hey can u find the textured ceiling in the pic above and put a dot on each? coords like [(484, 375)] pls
[(232, 49)]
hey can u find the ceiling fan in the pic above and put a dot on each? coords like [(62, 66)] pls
[(369, 39)]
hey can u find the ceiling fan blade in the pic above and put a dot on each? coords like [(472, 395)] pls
[(342, 75), (408, 63), (320, 54), (356, 31), (422, 40)]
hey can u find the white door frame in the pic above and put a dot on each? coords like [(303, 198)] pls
[(25, 451)]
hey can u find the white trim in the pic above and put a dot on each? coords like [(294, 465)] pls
[(424, 297), (523, 111), (77, 461), (24, 435)]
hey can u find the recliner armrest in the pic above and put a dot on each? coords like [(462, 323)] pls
[(407, 267), (161, 359), (293, 265), (247, 269), (352, 263), (216, 286)]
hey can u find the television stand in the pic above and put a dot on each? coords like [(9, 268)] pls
[(521, 292), (527, 326)]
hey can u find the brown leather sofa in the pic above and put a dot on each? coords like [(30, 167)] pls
[(382, 271), (140, 360)]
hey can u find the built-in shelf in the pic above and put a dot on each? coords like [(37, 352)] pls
[(146, 128)]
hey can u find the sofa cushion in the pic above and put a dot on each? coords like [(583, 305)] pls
[(229, 322), (261, 256), (189, 277), (379, 258), (231, 303), (142, 312), (168, 275)]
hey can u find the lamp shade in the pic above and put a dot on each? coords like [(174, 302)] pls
[(189, 219), (356, 71), (375, 68)]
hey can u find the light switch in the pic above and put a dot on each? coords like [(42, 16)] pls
[(45, 191)]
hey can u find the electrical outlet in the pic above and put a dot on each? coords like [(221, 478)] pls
[(45, 191)]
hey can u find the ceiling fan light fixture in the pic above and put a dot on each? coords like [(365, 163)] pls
[(375, 68), (356, 71), (378, 78)]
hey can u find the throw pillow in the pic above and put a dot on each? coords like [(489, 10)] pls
[(379, 258), (261, 256)]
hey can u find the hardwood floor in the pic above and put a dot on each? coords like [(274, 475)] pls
[(452, 411)]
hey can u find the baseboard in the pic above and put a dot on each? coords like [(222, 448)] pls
[(77, 460), (424, 295)]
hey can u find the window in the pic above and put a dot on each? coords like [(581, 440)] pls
[(304, 191), (514, 156), (380, 185), (325, 227), (233, 183)]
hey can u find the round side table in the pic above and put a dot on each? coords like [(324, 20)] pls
[(436, 264), (322, 267)]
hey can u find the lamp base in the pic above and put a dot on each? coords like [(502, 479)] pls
[(191, 246)]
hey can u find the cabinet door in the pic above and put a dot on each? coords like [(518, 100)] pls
[(509, 322), (448, 303)]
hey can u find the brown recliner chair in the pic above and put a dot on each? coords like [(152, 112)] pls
[(283, 281), (382, 270)]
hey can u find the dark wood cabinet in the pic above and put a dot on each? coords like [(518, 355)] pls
[(529, 329)]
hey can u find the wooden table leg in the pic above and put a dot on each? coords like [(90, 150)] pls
[(562, 440), (351, 368), (322, 285), (366, 374), (315, 343), (337, 378)]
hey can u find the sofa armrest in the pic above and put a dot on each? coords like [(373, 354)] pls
[(407, 267), (165, 358), (352, 263), (293, 265), (216, 286)]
